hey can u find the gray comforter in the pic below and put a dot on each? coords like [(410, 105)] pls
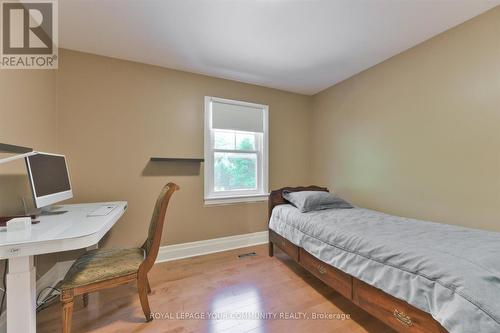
[(451, 272)]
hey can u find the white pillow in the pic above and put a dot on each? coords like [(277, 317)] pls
[(307, 201)]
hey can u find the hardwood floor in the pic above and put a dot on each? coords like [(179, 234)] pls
[(224, 284)]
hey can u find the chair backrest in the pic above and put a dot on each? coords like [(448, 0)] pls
[(152, 244)]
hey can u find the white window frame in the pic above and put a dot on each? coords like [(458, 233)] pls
[(262, 151)]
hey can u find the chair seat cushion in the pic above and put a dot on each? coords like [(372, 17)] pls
[(102, 264)]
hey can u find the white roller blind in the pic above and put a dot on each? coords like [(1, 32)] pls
[(237, 117)]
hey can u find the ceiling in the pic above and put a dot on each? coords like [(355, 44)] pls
[(301, 46)]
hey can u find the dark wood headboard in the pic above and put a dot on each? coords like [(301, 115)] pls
[(276, 196)]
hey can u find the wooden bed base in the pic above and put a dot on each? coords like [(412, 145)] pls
[(396, 313)]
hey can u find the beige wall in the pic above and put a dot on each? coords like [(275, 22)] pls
[(419, 135), (27, 117), (115, 115)]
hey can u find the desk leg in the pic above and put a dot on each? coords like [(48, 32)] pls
[(21, 295)]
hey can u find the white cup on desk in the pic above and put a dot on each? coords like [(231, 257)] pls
[(18, 228)]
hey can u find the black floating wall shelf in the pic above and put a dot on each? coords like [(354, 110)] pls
[(6, 148), (176, 159)]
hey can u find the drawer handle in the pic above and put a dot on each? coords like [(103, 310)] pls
[(403, 318), (321, 269)]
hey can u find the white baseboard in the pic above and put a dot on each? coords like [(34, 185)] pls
[(186, 250), (50, 279)]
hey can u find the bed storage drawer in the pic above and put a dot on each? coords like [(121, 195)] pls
[(394, 312), (333, 277), (285, 245)]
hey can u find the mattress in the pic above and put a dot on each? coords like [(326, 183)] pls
[(451, 272)]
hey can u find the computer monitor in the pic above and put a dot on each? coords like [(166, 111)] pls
[(49, 178)]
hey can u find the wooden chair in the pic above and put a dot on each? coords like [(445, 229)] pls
[(102, 268)]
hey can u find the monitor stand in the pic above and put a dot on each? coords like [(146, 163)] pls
[(49, 211), (55, 212)]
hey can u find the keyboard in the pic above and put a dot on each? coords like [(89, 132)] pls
[(102, 210)]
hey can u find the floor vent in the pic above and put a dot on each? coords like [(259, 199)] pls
[(249, 254)]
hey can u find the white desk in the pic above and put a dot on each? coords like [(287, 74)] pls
[(55, 233)]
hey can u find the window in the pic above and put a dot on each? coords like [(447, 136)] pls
[(236, 145)]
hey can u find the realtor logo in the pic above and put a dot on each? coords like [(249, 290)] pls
[(29, 34)]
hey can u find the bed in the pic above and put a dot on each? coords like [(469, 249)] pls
[(415, 276)]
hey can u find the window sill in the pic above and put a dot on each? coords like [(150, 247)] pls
[(235, 199)]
